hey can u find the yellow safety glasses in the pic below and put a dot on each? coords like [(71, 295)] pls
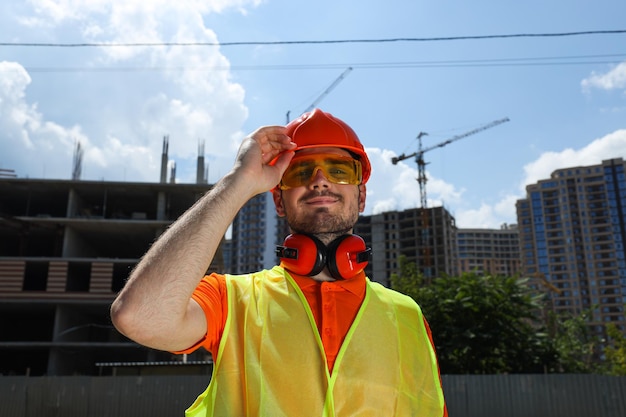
[(337, 169)]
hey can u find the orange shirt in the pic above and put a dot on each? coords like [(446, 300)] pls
[(334, 306)]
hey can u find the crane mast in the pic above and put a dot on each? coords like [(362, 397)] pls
[(419, 155), (426, 236)]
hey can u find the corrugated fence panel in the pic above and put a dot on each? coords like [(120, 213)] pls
[(535, 395), (144, 396), (123, 396), (54, 396), (13, 396), (466, 395)]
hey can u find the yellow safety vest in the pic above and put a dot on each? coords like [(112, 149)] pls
[(271, 360)]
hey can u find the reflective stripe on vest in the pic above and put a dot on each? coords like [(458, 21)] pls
[(271, 360)]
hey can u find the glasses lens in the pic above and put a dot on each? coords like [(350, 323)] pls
[(336, 168)]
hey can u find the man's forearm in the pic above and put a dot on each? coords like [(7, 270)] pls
[(152, 307), (155, 307)]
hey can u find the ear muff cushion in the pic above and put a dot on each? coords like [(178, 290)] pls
[(343, 256), (311, 255)]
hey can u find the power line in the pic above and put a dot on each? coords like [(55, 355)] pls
[(314, 42), (490, 62)]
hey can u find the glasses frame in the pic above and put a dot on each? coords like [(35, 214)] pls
[(322, 162)]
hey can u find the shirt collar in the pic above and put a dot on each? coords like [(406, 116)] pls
[(354, 285)]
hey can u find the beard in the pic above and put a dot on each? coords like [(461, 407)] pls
[(321, 222)]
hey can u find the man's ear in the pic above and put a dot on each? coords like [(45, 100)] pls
[(277, 195), (362, 194)]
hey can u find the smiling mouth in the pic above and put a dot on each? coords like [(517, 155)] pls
[(321, 198)]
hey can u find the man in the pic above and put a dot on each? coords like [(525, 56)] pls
[(310, 337)]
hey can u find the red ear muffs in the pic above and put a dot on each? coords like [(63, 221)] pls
[(302, 254), (345, 257)]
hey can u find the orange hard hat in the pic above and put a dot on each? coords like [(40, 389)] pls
[(317, 128)]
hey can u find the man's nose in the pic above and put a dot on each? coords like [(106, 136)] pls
[(318, 179)]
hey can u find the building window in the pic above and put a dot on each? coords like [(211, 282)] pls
[(35, 276)]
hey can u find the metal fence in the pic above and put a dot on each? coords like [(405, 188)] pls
[(157, 396), (552, 395)]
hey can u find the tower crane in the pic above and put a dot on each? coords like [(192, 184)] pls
[(325, 93), (419, 155)]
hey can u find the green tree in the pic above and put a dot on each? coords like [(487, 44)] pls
[(616, 351), (480, 324), (574, 343)]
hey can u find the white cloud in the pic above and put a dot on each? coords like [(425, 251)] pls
[(612, 80), (610, 146), (503, 211), (13, 109), (395, 187), (122, 132), (481, 217), (391, 187), (28, 140), (54, 12), (488, 216)]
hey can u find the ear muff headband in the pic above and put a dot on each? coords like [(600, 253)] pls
[(345, 257)]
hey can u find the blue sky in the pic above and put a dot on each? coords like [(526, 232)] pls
[(565, 96)]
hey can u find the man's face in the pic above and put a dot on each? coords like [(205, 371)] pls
[(319, 206)]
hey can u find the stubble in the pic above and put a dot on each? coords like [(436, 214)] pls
[(321, 222)]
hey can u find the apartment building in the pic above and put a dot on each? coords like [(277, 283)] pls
[(572, 234), (426, 237), (254, 236), (66, 249), (489, 251)]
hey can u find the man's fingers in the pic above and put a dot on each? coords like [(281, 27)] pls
[(283, 160), (273, 141), (265, 154)]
